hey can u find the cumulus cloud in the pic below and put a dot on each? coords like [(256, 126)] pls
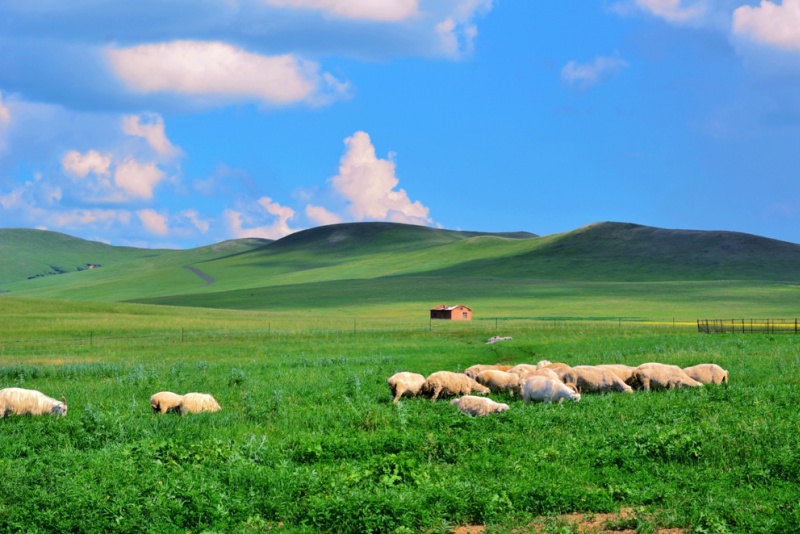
[(138, 179), (81, 165), (770, 24), (241, 224), (383, 11), (150, 127), (194, 217), (673, 10), (220, 72), (321, 216), (585, 75), (368, 185), (153, 222), (457, 31)]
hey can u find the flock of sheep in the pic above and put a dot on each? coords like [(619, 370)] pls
[(542, 382), (20, 401), (547, 382)]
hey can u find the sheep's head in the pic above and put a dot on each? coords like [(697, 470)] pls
[(60, 408)]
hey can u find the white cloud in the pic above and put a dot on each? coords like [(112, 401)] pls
[(585, 75), (5, 114), (81, 165), (382, 10), (770, 24), (457, 31), (368, 185), (673, 10), (153, 221), (219, 71), (240, 223), (150, 127), (88, 217), (321, 216), (138, 179), (197, 222)]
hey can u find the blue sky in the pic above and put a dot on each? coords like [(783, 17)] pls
[(184, 123)]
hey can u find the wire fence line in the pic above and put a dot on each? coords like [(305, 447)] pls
[(334, 326), (748, 326)]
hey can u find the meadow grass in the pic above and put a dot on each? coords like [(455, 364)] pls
[(308, 439)]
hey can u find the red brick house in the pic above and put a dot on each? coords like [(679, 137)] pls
[(455, 313)]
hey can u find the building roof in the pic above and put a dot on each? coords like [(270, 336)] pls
[(449, 308)]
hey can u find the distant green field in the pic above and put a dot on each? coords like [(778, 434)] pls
[(309, 441), (400, 271)]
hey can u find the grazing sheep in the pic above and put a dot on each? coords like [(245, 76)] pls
[(477, 369), (198, 402), (478, 406), (559, 368), (165, 401), (20, 401), (624, 372), (661, 376), (446, 383), (499, 381), (590, 379), (707, 373), (522, 368), (543, 389), (541, 371), (405, 384)]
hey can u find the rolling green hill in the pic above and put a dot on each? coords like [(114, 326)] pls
[(376, 266)]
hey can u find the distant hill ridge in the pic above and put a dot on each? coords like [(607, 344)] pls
[(606, 251)]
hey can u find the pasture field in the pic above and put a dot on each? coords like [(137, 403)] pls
[(309, 441)]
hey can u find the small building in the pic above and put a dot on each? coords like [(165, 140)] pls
[(455, 313)]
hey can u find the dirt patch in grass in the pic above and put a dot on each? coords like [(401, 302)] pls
[(622, 522)]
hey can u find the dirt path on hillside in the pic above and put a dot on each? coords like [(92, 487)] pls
[(201, 274)]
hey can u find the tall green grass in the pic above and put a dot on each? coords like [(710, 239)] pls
[(308, 439)]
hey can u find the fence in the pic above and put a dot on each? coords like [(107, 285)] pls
[(747, 326)]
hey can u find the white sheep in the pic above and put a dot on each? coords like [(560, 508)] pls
[(405, 384), (478, 406), (624, 372), (593, 379), (447, 384), (539, 388), (707, 373), (478, 368), (499, 381), (198, 402), (20, 401), (649, 376), (165, 401)]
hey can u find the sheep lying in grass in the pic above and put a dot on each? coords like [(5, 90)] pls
[(499, 381), (650, 376), (198, 402), (588, 378), (539, 388), (707, 373), (165, 401), (477, 369), (447, 384), (20, 401), (478, 406), (405, 384)]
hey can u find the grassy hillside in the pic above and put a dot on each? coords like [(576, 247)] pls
[(605, 269)]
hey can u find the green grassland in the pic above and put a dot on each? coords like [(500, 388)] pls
[(602, 270), (297, 337), (309, 441)]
